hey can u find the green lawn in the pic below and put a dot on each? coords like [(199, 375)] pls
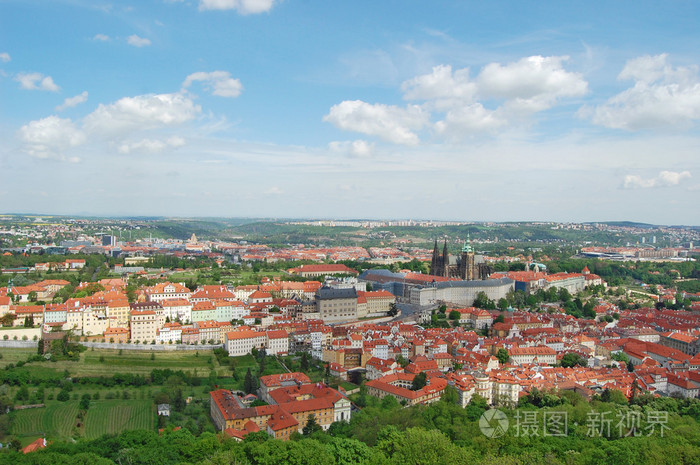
[(14, 355), (131, 361), (115, 416), (58, 420)]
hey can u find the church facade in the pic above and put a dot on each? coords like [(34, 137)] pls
[(467, 266)]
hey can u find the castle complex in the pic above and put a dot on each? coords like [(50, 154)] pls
[(467, 266)]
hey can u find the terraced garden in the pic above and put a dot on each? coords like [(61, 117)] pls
[(115, 416), (59, 419)]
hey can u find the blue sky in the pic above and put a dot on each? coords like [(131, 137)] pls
[(563, 111)]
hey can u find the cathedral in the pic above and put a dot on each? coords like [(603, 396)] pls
[(466, 266)]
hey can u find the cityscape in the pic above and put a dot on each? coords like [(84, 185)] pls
[(269, 232)]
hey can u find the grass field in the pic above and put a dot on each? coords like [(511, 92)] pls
[(55, 420), (58, 420), (107, 362), (239, 277), (14, 355), (115, 416)]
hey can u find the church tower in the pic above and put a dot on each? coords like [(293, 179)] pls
[(434, 263), (445, 261), (468, 269)]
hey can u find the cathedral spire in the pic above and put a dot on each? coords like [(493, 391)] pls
[(467, 247), (435, 260)]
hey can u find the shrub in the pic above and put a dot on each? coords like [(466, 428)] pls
[(63, 396)]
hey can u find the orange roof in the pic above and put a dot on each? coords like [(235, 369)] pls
[(35, 445), (244, 334)]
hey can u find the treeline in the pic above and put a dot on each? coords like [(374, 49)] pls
[(442, 433), (617, 273), (21, 375)]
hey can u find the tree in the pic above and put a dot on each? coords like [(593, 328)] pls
[(419, 381), (455, 315), (179, 401), (503, 356), (503, 304), (85, 402), (29, 321), (500, 319), (249, 384), (483, 301), (614, 396), (450, 395), (22, 393), (311, 426), (304, 362), (393, 310), (572, 359)]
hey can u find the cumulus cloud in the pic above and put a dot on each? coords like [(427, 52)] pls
[(5, 57), (101, 38), (470, 119), (244, 7), (36, 81), (50, 137), (441, 84), (497, 97), (662, 96), (217, 82), (535, 77), (356, 148), (664, 179), (151, 145), (137, 41), (141, 112), (388, 122), (73, 101)]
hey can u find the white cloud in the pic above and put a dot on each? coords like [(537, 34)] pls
[(662, 96), (137, 41), (5, 57), (151, 145), (356, 148), (217, 82), (244, 7), (73, 101), (664, 179), (101, 38), (499, 96), (469, 119), (50, 137), (441, 84), (141, 112), (36, 81), (538, 78), (391, 123), (124, 123)]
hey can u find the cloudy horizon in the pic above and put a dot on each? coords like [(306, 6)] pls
[(264, 108)]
